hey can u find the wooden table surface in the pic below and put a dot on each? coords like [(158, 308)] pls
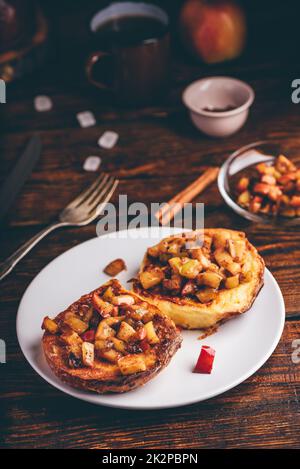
[(159, 153)]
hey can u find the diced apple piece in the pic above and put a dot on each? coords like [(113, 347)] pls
[(163, 246), (207, 295), (198, 254), (153, 251), (115, 267), (205, 360), (220, 239), (236, 249), (246, 276), (103, 307), (110, 355), (288, 212), (232, 282), (261, 188), (125, 331), (244, 199), (213, 268), (190, 269), (284, 165), (274, 193), (224, 259), (123, 300), (104, 331), (210, 279), (287, 178), (70, 338), (266, 209), (119, 345), (49, 325), (148, 316), (152, 337), (207, 243), (108, 295), (151, 277), (113, 320), (174, 249), (295, 201), (175, 264), (86, 312), (164, 258), (74, 342), (268, 179), (144, 345), (88, 354), (104, 344), (89, 336), (76, 324), (243, 184), (139, 335), (255, 204), (131, 364)]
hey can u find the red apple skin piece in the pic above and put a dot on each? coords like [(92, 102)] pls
[(213, 30), (89, 336), (145, 346), (205, 360)]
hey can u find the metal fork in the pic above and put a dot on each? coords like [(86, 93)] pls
[(84, 209)]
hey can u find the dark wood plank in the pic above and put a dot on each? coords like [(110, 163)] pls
[(262, 412), (158, 148)]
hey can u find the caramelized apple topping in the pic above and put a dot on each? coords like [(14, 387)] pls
[(273, 189), (125, 332), (196, 268), (88, 354), (151, 277), (49, 325)]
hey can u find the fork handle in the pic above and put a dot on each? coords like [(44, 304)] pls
[(7, 266)]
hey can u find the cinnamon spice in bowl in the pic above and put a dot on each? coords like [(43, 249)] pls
[(218, 106)]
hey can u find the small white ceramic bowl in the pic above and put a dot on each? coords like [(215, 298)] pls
[(218, 106)]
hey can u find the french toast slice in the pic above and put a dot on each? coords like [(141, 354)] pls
[(202, 277), (109, 341)]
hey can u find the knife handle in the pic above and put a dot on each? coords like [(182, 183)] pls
[(8, 265)]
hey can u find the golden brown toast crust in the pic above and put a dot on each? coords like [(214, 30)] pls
[(105, 377), (191, 314)]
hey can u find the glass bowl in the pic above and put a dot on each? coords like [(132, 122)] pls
[(245, 158)]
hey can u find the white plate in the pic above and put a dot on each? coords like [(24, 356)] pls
[(242, 345)]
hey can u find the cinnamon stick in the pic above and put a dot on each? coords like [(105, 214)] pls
[(168, 211)]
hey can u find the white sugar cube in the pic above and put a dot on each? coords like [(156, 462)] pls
[(86, 119), (92, 163), (42, 103), (108, 139)]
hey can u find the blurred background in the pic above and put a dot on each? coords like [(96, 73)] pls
[(57, 39)]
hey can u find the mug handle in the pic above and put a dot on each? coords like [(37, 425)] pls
[(91, 61)]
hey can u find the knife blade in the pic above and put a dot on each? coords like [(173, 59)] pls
[(21, 171)]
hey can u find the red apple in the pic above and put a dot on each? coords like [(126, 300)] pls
[(214, 30)]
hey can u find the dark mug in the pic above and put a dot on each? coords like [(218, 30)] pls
[(133, 62)]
